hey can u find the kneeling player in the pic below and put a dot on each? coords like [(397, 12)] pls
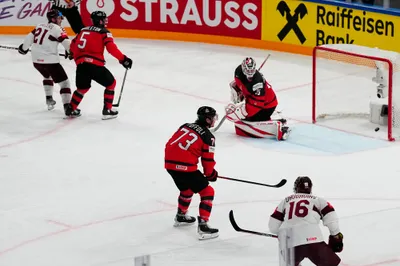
[(254, 101)]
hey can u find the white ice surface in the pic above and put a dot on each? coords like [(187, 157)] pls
[(88, 192)]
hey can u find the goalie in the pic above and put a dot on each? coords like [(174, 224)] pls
[(254, 102)]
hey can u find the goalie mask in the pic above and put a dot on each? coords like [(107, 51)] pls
[(303, 184), (206, 116), (249, 67)]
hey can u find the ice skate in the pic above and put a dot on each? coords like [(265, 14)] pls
[(109, 114), (50, 103), (182, 219), (69, 113), (204, 231), (285, 132)]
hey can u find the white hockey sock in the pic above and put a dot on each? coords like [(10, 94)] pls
[(65, 91), (48, 86)]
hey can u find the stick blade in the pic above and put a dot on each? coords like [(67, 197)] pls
[(233, 222), (281, 183)]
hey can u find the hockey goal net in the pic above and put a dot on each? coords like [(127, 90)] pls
[(347, 80)]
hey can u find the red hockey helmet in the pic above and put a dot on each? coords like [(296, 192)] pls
[(303, 184)]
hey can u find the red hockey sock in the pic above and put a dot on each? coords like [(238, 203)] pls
[(184, 199), (207, 197), (77, 97), (109, 95)]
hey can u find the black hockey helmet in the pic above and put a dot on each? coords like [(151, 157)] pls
[(98, 19), (249, 67), (303, 184), (204, 113), (52, 14)]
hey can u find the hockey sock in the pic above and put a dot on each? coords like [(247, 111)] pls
[(48, 85), (207, 197), (65, 91), (184, 199), (77, 98), (109, 96)]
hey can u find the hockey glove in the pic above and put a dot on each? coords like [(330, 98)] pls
[(213, 176), (21, 50), (336, 242), (126, 62), (68, 55)]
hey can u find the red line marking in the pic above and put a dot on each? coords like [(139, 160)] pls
[(41, 135), (60, 223)]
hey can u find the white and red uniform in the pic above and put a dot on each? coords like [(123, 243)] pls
[(44, 41), (302, 214)]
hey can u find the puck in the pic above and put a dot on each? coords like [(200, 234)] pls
[(377, 129)]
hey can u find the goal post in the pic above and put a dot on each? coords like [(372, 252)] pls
[(354, 89)]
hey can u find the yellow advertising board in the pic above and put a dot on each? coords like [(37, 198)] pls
[(310, 24)]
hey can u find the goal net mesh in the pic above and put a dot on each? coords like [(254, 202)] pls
[(346, 79)]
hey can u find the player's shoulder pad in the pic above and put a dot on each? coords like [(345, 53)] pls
[(204, 133), (238, 71), (258, 77)]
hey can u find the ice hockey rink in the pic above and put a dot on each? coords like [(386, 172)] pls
[(90, 192)]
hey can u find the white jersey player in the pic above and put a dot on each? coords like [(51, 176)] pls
[(297, 217), (44, 41)]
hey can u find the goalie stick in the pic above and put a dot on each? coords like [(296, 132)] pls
[(280, 184), (237, 228), (224, 118)]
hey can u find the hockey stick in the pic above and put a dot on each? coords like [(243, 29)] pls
[(224, 118), (237, 228), (122, 89), (280, 184), (16, 48)]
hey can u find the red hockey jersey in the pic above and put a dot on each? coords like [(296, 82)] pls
[(88, 46), (189, 143)]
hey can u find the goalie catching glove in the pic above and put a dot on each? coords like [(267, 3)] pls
[(236, 94)]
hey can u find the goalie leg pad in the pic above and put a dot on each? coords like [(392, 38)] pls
[(265, 129)]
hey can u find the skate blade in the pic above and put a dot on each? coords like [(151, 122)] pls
[(50, 107), (178, 224), (208, 236), (71, 117), (108, 117), (286, 135)]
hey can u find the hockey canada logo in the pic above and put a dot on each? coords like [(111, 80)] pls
[(299, 13)]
